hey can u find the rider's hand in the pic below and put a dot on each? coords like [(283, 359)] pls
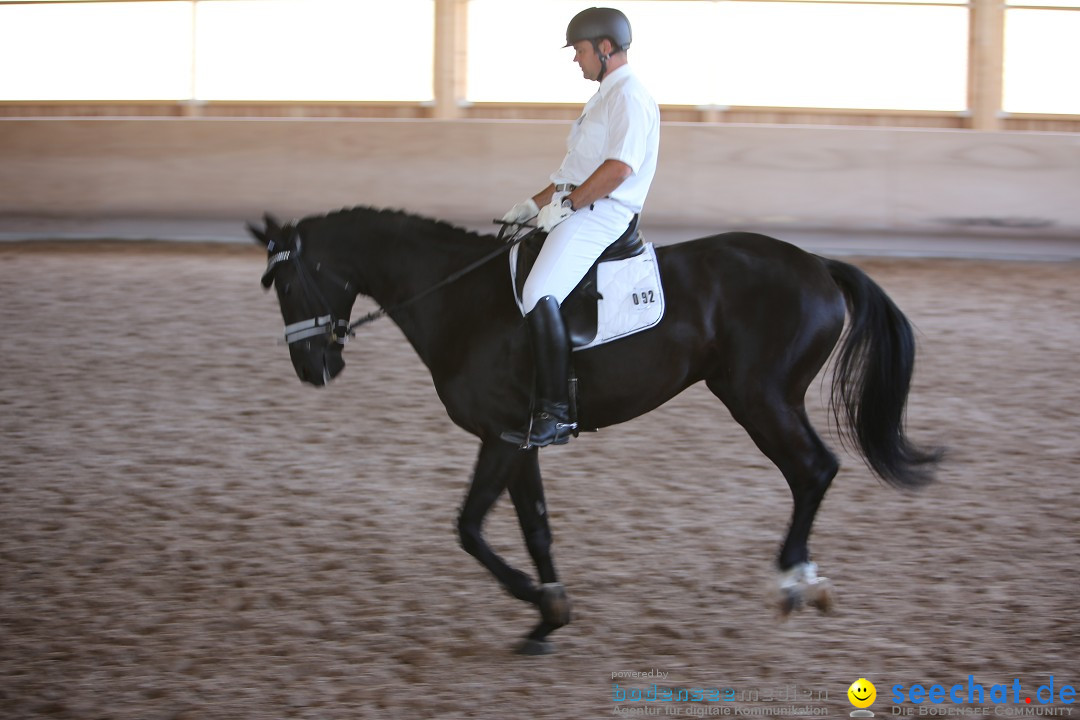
[(524, 210), (553, 214)]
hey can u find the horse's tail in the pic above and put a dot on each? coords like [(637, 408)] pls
[(871, 380)]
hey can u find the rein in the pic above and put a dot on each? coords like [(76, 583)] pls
[(340, 330), (515, 237)]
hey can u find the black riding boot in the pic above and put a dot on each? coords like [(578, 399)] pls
[(550, 424)]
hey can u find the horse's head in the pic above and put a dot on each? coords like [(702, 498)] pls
[(315, 303)]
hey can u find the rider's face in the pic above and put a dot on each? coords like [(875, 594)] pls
[(587, 59)]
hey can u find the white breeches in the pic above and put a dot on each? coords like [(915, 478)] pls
[(572, 247)]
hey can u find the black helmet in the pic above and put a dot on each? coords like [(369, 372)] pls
[(596, 23)]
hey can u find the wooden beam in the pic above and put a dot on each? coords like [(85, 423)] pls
[(451, 28), (986, 64)]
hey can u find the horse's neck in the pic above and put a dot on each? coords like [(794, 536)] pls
[(402, 261), (399, 261)]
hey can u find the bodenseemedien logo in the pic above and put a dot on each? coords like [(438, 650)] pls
[(862, 694)]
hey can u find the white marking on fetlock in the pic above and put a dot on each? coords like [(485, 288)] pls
[(798, 576), (800, 584)]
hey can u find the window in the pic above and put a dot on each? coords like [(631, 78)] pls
[(1041, 57), (342, 50), (692, 52), (218, 50), (96, 51), (516, 54), (901, 57)]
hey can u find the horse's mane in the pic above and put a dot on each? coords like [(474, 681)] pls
[(396, 221)]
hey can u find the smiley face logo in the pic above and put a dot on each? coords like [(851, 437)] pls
[(862, 693)]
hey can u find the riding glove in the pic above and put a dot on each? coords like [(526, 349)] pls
[(521, 212), (553, 214)]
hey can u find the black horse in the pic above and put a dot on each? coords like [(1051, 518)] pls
[(754, 317)]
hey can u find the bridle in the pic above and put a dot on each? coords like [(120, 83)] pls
[(340, 330), (322, 324)]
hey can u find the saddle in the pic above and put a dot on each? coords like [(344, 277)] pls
[(579, 309)]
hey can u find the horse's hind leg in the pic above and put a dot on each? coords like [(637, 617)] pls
[(783, 432)]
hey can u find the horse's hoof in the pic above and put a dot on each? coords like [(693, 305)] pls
[(800, 585), (821, 596), (789, 603), (532, 647), (554, 604)]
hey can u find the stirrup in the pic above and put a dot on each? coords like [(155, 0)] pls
[(552, 432)]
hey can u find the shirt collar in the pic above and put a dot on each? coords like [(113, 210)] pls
[(613, 78)]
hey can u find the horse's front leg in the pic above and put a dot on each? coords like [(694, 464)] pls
[(527, 492), (497, 466)]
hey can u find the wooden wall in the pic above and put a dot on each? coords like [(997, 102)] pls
[(721, 176)]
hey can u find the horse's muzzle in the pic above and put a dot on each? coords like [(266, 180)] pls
[(316, 365)]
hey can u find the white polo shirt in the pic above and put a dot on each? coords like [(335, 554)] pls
[(620, 122)]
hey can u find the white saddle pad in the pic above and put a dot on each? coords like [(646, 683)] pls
[(632, 297)]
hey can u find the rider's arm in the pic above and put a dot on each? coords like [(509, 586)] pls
[(543, 197), (601, 183)]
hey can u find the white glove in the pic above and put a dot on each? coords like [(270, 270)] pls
[(553, 214), (521, 212)]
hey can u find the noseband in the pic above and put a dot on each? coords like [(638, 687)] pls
[(337, 329)]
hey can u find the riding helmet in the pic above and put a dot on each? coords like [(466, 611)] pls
[(596, 23)]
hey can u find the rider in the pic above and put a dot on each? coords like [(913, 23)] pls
[(593, 196)]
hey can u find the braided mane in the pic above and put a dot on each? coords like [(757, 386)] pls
[(397, 220)]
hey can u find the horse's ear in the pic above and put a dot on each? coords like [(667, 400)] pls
[(269, 235), (273, 226), (259, 235)]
